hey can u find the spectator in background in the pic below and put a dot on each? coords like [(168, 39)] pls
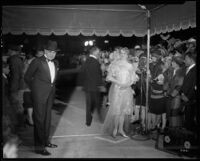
[(157, 103), (168, 74), (140, 90), (91, 80), (191, 45), (8, 112), (39, 51), (9, 119), (16, 80), (188, 90), (172, 92), (28, 105), (138, 51)]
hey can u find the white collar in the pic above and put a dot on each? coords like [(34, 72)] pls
[(45, 56), (191, 66), (4, 75), (93, 56)]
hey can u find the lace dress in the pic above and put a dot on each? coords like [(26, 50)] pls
[(120, 99)]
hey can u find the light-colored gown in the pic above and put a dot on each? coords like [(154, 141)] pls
[(120, 99)]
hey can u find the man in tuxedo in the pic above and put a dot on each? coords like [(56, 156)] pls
[(40, 77), (188, 90), (91, 80)]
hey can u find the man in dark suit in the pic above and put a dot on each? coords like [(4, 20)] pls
[(40, 77), (188, 90), (91, 80)]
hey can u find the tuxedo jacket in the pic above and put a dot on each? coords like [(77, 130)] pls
[(91, 75), (38, 79), (189, 83)]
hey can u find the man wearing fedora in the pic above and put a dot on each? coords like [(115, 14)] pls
[(40, 77)]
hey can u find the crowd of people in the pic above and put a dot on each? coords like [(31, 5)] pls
[(172, 86), (120, 75)]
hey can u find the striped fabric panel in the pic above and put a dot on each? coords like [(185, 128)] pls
[(157, 96), (157, 91)]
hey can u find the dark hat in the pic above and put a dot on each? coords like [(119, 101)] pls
[(144, 54), (178, 43), (39, 47), (191, 41), (14, 47), (179, 60), (51, 45), (137, 47), (172, 41), (156, 53)]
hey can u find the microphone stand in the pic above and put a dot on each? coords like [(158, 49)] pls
[(146, 135), (141, 135)]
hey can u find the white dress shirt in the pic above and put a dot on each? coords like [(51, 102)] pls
[(4, 75), (93, 56), (52, 69)]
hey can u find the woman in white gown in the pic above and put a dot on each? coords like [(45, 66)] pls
[(122, 75)]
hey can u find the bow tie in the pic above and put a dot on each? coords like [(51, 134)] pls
[(49, 60)]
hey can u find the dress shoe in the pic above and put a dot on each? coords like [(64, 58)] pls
[(49, 145), (114, 134), (123, 134), (42, 152), (89, 122)]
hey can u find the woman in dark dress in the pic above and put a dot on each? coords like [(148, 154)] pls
[(157, 102)]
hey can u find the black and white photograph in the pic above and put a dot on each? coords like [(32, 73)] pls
[(100, 80)]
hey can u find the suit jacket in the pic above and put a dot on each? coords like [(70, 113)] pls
[(16, 73), (91, 75), (174, 86), (38, 79), (189, 83), (176, 82)]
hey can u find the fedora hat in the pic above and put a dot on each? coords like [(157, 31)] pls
[(51, 45), (178, 59), (191, 41), (156, 53), (137, 47)]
